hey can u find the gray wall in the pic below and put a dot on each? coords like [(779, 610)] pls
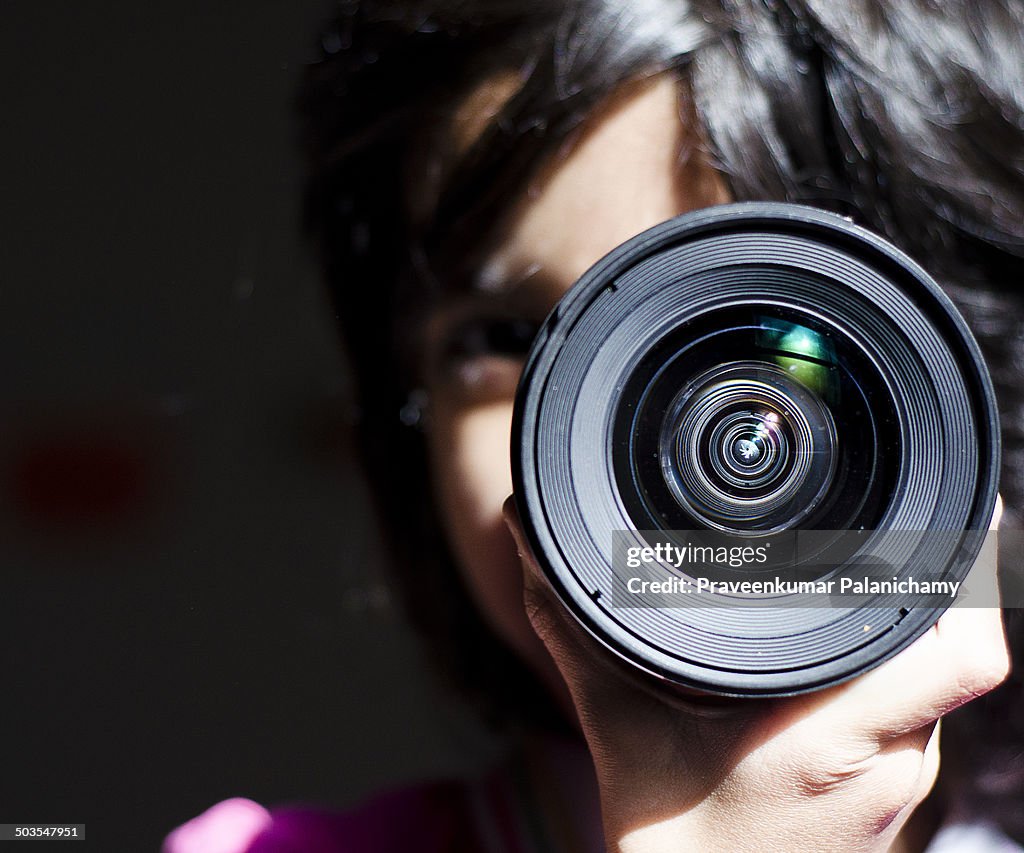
[(190, 599)]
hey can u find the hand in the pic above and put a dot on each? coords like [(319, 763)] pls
[(840, 769)]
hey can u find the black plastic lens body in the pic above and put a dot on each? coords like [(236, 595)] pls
[(752, 370)]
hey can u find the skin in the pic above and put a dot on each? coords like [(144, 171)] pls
[(841, 769)]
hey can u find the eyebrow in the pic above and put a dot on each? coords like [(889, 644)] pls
[(530, 291), (495, 277)]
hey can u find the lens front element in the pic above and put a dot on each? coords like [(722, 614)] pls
[(747, 447)]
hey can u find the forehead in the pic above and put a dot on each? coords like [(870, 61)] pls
[(635, 165)]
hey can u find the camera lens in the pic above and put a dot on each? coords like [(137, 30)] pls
[(747, 372)]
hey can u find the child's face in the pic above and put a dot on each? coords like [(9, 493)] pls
[(622, 177)]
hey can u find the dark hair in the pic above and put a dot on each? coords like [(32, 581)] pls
[(907, 115)]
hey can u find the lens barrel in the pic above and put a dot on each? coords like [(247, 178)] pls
[(743, 374)]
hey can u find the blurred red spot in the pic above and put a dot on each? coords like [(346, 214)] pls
[(79, 480)]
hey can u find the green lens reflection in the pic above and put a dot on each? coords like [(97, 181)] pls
[(804, 354)]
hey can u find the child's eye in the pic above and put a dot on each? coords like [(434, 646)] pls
[(480, 358), (499, 336)]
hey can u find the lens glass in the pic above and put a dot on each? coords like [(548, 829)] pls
[(746, 445), (753, 420)]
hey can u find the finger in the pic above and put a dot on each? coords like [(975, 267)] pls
[(564, 638), (961, 657)]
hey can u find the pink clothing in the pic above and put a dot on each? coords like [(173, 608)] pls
[(430, 819), (542, 800)]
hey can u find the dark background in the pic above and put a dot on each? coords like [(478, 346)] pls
[(191, 603)]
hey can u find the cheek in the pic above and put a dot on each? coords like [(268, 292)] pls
[(472, 461), (470, 449)]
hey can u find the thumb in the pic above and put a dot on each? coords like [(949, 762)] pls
[(595, 677), (545, 612)]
